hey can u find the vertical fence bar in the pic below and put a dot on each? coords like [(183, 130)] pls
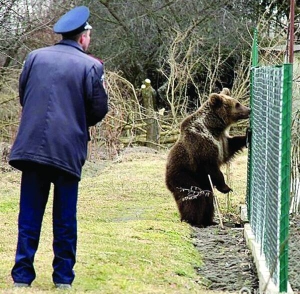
[(249, 167), (254, 50), (285, 176)]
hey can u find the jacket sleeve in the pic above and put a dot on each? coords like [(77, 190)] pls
[(97, 99)]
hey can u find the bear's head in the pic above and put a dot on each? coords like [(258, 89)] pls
[(228, 109)]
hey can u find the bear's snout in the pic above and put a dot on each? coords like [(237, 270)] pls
[(248, 111), (244, 113)]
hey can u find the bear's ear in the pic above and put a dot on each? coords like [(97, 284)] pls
[(226, 91), (215, 100)]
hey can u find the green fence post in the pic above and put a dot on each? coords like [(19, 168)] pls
[(254, 50), (285, 176)]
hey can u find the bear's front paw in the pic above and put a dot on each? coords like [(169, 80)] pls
[(248, 137), (224, 189)]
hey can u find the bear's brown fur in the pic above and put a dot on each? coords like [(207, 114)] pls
[(203, 146)]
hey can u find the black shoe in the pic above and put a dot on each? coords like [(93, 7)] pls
[(63, 286), (21, 285)]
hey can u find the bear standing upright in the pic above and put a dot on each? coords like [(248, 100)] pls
[(203, 146)]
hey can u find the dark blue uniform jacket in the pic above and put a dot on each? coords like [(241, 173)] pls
[(61, 94)]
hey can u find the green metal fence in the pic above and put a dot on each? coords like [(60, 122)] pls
[(269, 166)]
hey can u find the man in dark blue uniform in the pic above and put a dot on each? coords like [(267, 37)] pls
[(62, 94)]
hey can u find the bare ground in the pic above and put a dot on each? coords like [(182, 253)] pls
[(294, 254), (227, 261), (228, 264)]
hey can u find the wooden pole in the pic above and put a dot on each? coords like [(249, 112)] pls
[(291, 31), (216, 203)]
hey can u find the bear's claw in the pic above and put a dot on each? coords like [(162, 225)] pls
[(225, 189)]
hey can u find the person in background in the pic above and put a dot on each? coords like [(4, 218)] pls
[(61, 93)]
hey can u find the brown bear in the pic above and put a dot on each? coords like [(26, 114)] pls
[(203, 146)]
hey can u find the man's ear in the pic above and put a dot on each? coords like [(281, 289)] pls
[(215, 100), (82, 38)]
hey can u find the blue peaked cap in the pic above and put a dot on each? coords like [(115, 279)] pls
[(73, 22)]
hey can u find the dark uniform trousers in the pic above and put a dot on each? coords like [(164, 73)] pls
[(35, 187)]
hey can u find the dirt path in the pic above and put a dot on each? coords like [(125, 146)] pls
[(294, 254), (227, 261)]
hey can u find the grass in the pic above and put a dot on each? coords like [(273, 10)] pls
[(130, 239)]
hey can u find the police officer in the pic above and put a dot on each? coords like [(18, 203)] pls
[(61, 93)]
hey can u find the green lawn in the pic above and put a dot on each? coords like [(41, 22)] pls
[(130, 239)]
